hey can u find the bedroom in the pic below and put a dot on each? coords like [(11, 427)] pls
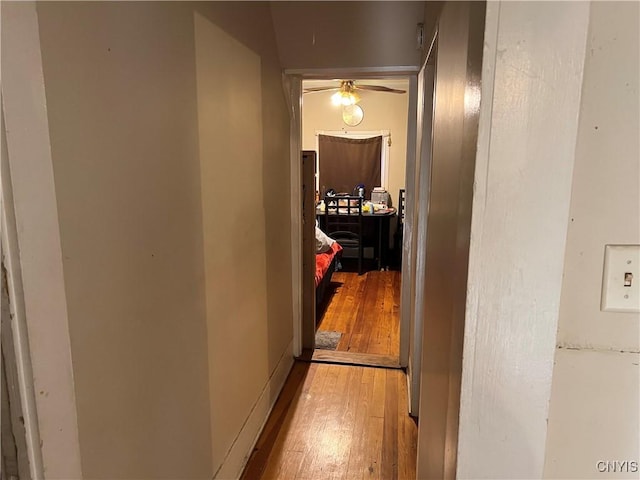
[(358, 306)]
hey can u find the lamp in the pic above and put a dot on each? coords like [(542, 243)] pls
[(346, 95)]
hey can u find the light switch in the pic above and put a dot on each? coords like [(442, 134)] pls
[(621, 279)]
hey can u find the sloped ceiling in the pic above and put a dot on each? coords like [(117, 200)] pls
[(365, 34)]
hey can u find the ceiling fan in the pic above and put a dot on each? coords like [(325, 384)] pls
[(347, 92)]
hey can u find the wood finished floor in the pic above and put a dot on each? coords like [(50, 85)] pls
[(337, 422), (366, 310)]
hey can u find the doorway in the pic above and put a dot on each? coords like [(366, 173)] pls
[(358, 317)]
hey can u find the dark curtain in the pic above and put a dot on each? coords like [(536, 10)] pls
[(347, 162)]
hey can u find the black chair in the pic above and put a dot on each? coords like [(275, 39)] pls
[(397, 236), (343, 223), (401, 207)]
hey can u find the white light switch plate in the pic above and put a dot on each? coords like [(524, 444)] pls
[(620, 261)]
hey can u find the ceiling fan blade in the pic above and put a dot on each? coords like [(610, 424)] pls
[(320, 89), (379, 88)]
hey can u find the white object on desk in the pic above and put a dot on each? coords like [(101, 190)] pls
[(380, 197)]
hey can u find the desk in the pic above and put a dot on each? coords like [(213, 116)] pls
[(381, 224)]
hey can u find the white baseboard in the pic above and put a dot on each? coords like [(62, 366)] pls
[(239, 453)]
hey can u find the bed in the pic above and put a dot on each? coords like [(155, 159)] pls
[(327, 261)]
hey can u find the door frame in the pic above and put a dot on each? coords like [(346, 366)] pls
[(415, 250), (293, 91), (17, 341), (33, 254)]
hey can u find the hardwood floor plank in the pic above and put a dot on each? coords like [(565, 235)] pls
[(311, 421), (367, 319), (289, 467), (390, 429), (366, 310), (395, 314), (374, 433), (407, 434), (348, 319), (349, 358), (387, 327), (332, 445), (379, 392), (358, 455)]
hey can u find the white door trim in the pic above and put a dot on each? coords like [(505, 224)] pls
[(293, 88), (39, 245), (419, 245), (408, 259), (293, 93), (11, 261), (516, 260)]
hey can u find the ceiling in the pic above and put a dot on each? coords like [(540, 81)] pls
[(361, 34)]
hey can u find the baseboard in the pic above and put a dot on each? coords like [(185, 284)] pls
[(239, 453)]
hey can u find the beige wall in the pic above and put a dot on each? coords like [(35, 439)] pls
[(240, 275), (595, 394), (347, 34), (175, 316), (382, 111)]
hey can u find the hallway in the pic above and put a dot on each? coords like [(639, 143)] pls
[(338, 422)]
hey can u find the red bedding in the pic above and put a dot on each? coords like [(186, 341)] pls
[(323, 260)]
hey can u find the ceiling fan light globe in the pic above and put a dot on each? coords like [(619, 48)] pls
[(336, 99)]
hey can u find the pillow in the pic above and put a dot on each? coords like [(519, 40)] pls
[(323, 241)]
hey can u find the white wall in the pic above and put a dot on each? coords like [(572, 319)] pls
[(532, 77), (594, 414), (171, 380), (347, 34), (382, 111)]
